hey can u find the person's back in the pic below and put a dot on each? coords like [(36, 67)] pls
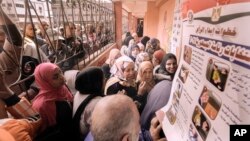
[(89, 84), (157, 98), (115, 118)]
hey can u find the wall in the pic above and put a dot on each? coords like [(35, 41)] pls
[(158, 21), (132, 21), (151, 20), (166, 12), (118, 22)]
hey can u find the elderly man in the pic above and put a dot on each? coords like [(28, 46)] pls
[(116, 118)]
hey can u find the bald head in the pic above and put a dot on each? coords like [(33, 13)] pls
[(115, 117)]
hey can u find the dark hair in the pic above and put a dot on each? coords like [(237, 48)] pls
[(144, 40), (154, 43), (90, 81), (134, 46), (127, 39), (163, 64), (128, 34)]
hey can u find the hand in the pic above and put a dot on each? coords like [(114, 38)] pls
[(155, 129), (5, 91), (142, 89)]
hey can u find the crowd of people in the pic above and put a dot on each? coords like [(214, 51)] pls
[(115, 101)]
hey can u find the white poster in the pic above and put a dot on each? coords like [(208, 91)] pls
[(211, 89), (177, 28)]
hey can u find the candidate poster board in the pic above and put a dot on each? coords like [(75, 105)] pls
[(211, 89)]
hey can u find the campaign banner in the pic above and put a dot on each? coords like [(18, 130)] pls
[(211, 88)]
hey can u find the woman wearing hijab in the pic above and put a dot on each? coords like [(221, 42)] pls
[(70, 77), (167, 68), (160, 93), (128, 42), (123, 80), (144, 40), (145, 82), (89, 83), (141, 57), (113, 55), (123, 77), (53, 101), (134, 50)]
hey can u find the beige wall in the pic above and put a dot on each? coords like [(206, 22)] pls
[(132, 20), (151, 20), (134, 24), (166, 12), (118, 22), (158, 21)]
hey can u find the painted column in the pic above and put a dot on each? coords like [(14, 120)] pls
[(118, 22)]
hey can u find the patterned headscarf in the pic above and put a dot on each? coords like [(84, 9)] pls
[(140, 58), (120, 64)]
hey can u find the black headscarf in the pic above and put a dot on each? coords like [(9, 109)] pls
[(162, 68), (127, 39), (144, 40), (90, 81)]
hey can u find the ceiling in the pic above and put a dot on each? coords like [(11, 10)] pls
[(137, 7)]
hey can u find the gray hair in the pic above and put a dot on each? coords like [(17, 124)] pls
[(113, 117)]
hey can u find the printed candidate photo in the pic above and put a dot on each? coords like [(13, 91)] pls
[(193, 134), (201, 123), (217, 73), (187, 55), (210, 103), (183, 73)]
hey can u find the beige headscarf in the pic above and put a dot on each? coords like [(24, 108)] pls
[(143, 66), (113, 54)]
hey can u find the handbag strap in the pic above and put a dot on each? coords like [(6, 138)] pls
[(77, 116)]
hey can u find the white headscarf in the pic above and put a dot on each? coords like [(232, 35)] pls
[(120, 64), (113, 54)]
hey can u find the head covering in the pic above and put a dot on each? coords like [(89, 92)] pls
[(134, 46), (140, 58), (113, 54), (141, 46), (128, 34), (70, 77), (143, 66), (152, 46), (120, 64), (162, 68), (90, 81), (127, 39), (44, 102), (154, 43), (144, 40), (159, 54), (130, 49)]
